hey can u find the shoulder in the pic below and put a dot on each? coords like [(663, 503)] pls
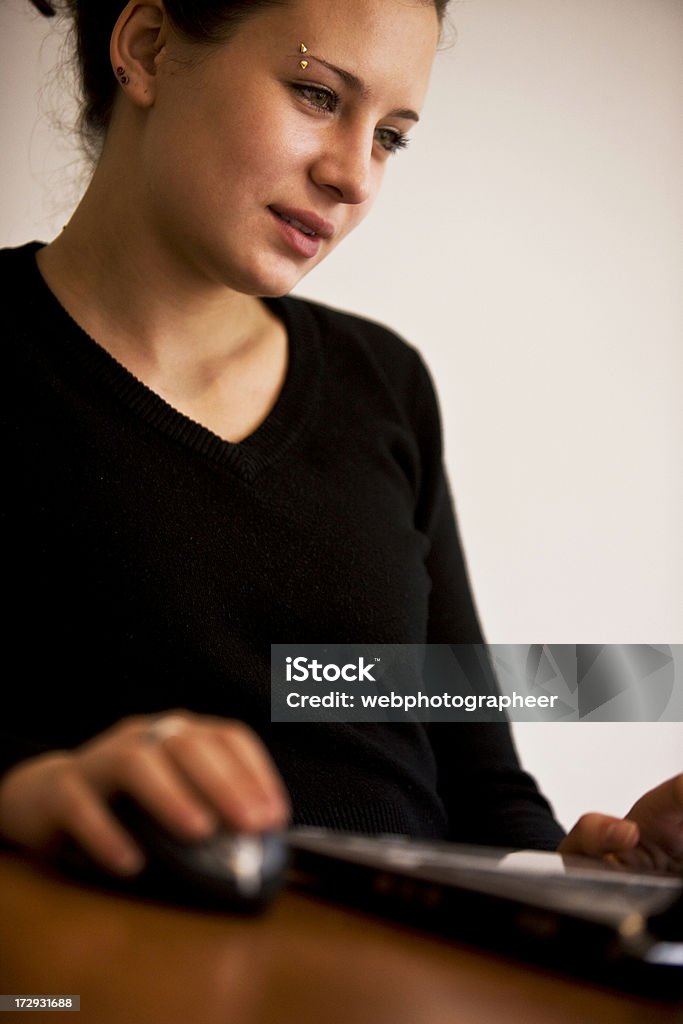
[(18, 273), (368, 345), (14, 258), (357, 330)]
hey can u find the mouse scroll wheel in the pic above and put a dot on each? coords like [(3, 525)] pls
[(244, 857)]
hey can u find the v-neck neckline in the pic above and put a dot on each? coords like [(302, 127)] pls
[(248, 457)]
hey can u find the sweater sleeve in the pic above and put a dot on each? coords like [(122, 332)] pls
[(488, 797)]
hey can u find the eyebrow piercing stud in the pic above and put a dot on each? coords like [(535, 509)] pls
[(303, 64)]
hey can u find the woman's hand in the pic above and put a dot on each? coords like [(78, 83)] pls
[(191, 772), (650, 836)]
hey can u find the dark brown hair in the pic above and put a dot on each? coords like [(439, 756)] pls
[(206, 21)]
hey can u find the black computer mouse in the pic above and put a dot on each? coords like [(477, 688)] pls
[(228, 871)]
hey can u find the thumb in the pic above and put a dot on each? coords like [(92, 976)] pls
[(596, 835)]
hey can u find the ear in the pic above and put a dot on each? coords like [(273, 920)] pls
[(138, 38)]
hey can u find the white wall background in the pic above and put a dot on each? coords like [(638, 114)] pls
[(529, 243)]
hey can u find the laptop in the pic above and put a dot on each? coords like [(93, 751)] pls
[(615, 926)]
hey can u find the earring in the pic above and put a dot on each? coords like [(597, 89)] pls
[(122, 76), (303, 64)]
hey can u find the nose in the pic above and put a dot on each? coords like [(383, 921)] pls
[(344, 167)]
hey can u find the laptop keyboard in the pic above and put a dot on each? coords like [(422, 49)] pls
[(594, 891)]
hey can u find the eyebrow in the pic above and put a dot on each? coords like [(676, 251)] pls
[(358, 86)]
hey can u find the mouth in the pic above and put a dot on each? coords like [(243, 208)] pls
[(296, 224), (305, 221)]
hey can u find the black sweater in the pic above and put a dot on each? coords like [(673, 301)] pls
[(150, 564)]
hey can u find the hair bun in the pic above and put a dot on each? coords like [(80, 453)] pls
[(44, 7)]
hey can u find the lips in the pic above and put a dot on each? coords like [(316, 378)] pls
[(305, 221), (297, 224)]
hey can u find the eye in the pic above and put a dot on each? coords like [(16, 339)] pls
[(391, 139), (317, 96)]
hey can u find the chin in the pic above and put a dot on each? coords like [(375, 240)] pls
[(270, 282)]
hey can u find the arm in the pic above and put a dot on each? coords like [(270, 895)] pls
[(490, 800), (488, 797)]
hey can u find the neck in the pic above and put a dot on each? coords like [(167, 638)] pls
[(132, 293)]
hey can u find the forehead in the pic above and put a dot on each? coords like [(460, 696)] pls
[(388, 44)]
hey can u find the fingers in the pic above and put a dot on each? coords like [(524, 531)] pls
[(665, 801), (651, 836), (193, 772), (149, 774), (46, 797), (81, 813), (599, 835), (264, 790), (229, 771), (192, 777), (203, 775), (659, 816)]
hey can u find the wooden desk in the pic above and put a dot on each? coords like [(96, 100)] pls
[(303, 962)]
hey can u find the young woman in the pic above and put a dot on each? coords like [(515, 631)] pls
[(199, 467)]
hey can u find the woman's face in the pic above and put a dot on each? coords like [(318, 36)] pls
[(254, 168)]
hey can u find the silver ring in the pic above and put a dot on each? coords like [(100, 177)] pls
[(170, 725)]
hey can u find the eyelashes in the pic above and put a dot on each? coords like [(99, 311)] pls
[(321, 98), (391, 139), (318, 96)]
